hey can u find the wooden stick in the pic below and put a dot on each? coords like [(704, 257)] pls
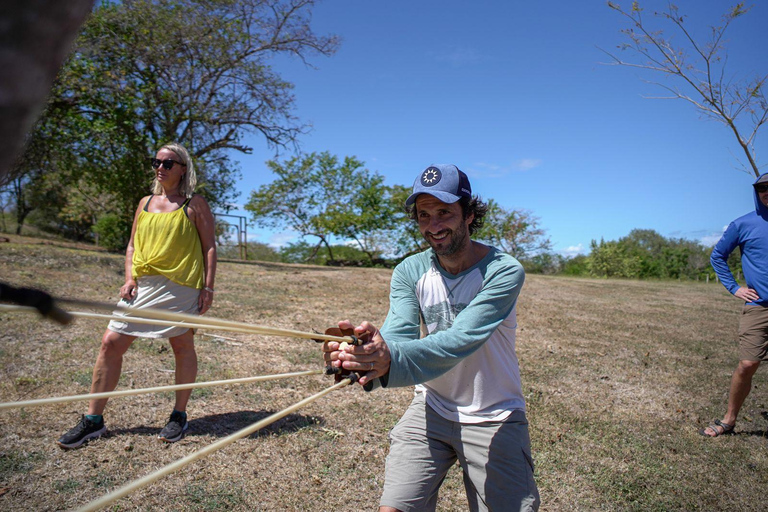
[(148, 479), (175, 387)]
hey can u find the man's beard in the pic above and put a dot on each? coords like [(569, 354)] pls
[(456, 241)]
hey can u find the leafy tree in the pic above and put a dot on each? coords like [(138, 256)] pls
[(648, 247), (111, 232), (516, 232), (365, 211), (611, 259), (299, 252), (317, 195), (734, 263), (699, 67), (646, 254), (29, 181), (547, 263), (576, 266), (343, 255), (405, 238), (19, 192), (82, 205), (146, 72), (255, 251), (665, 258)]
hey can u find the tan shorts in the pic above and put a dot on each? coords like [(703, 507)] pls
[(753, 333), (495, 458)]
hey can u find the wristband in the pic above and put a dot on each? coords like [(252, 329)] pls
[(208, 289)]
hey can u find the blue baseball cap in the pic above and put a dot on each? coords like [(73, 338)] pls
[(443, 181)]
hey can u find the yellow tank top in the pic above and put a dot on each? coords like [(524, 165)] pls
[(168, 244)]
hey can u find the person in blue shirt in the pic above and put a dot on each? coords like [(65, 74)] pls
[(450, 332), (750, 234)]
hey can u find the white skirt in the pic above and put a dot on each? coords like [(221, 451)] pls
[(160, 293)]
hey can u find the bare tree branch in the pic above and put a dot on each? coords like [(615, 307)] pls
[(712, 93)]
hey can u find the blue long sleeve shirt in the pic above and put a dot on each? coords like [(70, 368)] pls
[(750, 233)]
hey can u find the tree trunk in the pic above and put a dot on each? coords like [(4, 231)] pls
[(21, 215), (330, 252), (21, 208)]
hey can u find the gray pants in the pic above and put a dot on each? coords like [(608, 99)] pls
[(494, 456)]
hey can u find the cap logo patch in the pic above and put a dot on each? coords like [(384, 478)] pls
[(431, 177)]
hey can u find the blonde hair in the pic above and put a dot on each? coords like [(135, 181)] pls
[(188, 181)]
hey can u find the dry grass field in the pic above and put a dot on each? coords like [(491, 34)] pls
[(618, 375)]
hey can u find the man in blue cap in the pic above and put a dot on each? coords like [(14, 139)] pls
[(750, 233), (450, 331)]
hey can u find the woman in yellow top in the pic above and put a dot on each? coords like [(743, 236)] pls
[(170, 264)]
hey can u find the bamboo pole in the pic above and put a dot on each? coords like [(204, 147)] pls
[(183, 319), (175, 387)]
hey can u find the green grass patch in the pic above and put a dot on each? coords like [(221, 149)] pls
[(303, 358), (201, 393), (82, 377), (27, 382), (226, 497), (66, 486), (16, 462), (105, 482)]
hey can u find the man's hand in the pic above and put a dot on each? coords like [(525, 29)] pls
[(747, 294), (371, 359)]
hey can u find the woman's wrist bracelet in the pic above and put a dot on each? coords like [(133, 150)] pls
[(208, 289)]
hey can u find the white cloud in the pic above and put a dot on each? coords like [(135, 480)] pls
[(711, 239), (705, 237), (573, 250), (283, 238), (490, 170), (252, 237), (526, 164), (459, 56)]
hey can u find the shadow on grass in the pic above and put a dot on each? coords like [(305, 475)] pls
[(222, 425), (760, 433)]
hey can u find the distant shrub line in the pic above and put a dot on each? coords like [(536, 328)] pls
[(643, 254)]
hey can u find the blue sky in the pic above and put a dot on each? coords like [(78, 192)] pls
[(515, 94)]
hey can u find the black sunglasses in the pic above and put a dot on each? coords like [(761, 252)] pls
[(167, 163), (762, 187)]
